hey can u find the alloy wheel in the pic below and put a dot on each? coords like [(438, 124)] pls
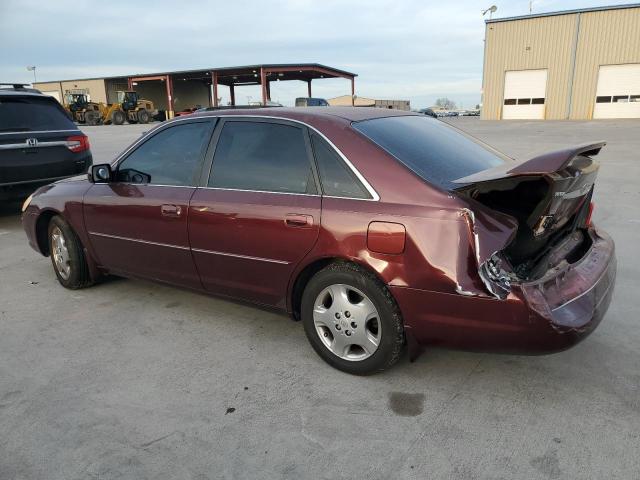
[(60, 253), (347, 322)]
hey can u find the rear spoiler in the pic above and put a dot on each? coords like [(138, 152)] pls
[(545, 163)]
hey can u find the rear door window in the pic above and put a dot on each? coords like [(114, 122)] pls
[(173, 156), (336, 177), (30, 114), (262, 156), (435, 151)]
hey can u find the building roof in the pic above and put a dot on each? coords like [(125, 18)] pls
[(564, 12), (239, 71)]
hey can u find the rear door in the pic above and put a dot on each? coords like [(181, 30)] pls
[(259, 213), (38, 142), (138, 223)]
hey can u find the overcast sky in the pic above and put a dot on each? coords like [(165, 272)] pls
[(403, 49)]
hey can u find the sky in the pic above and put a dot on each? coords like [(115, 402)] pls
[(418, 50)]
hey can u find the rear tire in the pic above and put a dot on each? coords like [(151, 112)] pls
[(92, 117), (117, 117), (351, 320), (67, 255), (143, 116)]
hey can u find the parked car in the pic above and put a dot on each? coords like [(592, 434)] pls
[(428, 112), (188, 111), (376, 228), (311, 102), (38, 142)]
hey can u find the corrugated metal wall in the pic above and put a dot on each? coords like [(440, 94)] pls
[(95, 88), (604, 37), (534, 43)]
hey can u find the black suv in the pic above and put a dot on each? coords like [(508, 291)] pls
[(38, 142)]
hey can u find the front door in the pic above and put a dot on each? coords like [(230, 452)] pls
[(259, 213), (138, 222)]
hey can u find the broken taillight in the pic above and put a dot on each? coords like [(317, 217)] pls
[(588, 220)]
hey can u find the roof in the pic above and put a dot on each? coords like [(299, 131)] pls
[(351, 114), (564, 12), (224, 72)]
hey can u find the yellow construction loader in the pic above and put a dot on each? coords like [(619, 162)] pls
[(77, 105), (129, 108)]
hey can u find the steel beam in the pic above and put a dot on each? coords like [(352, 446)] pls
[(169, 85), (353, 91), (214, 77), (263, 82)]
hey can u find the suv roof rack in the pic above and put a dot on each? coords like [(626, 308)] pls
[(15, 85), (18, 88)]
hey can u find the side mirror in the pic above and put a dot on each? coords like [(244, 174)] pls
[(100, 173)]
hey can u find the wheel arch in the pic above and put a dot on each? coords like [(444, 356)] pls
[(310, 269), (42, 229)]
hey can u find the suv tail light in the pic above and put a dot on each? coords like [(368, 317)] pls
[(78, 143)]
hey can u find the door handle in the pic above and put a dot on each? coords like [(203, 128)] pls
[(171, 210), (298, 220)]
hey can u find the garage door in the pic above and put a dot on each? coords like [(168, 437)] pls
[(524, 94), (53, 93), (618, 92)]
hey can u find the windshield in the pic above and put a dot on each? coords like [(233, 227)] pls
[(432, 149), (24, 114)]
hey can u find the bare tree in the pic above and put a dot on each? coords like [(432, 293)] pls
[(445, 103)]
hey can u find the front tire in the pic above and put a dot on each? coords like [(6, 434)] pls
[(351, 320), (67, 255), (117, 118)]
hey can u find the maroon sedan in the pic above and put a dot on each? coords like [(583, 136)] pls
[(374, 228)]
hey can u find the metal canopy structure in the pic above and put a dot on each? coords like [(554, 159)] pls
[(246, 75), (265, 74)]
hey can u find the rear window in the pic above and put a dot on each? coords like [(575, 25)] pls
[(26, 114), (432, 149)]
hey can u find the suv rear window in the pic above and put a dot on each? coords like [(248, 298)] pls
[(26, 114), (435, 151)]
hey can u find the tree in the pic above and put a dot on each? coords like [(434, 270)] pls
[(445, 103)]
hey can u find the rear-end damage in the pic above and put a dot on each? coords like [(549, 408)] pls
[(531, 233), (526, 217)]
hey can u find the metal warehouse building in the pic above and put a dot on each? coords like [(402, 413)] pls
[(577, 64)]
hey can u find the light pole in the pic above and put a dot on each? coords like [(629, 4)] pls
[(32, 68), (491, 10)]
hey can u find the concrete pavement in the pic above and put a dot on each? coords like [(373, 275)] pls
[(133, 380)]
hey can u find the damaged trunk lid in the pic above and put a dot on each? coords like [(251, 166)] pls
[(547, 199)]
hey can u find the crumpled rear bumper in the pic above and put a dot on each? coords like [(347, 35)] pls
[(549, 315), (574, 297)]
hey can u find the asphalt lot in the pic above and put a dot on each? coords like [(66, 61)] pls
[(132, 380)]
